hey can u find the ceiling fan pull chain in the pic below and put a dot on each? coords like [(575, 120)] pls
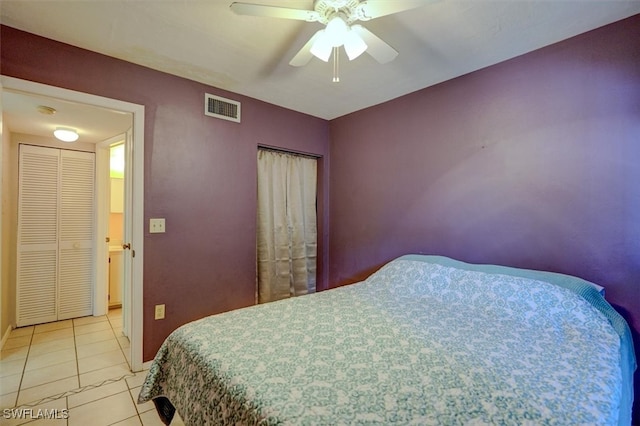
[(336, 65)]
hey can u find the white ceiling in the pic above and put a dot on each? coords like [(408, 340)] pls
[(93, 124), (206, 42)]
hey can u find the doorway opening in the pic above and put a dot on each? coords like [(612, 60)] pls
[(134, 229), (113, 220)]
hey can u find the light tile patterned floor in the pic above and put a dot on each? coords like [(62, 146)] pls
[(75, 370)]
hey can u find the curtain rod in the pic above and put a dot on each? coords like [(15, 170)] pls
[(288, 151)]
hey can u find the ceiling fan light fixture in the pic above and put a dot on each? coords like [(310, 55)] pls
[(336, 31), (336, 34), (354, 45), (66, 134), (322, 47)]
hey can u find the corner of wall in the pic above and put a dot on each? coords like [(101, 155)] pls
[(8, 191), (5, 305)]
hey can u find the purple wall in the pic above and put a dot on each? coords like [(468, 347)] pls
[(534, 162), (200, 174)]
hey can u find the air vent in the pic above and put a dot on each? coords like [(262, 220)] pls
[(219, 107)]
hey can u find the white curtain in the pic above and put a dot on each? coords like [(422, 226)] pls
[(287, 234)]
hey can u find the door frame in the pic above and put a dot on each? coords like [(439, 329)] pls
[(100, 300), (137, 217)]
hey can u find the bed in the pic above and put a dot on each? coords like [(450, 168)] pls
[(424, 340)]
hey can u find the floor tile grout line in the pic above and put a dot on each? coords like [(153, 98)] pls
[(135, 405), (75, 347), (24, 367)]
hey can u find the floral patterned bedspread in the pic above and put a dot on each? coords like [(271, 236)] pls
[(416, 343)]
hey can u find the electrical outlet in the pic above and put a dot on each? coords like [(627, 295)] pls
[(159, 312), (156, 226)]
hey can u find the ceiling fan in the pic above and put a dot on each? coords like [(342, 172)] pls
[(339, 17)]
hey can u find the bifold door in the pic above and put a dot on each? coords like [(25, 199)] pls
[(55, 270)]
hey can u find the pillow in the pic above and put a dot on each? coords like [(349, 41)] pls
[(556, 278)]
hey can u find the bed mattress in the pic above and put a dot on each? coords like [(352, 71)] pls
[(424, 340)]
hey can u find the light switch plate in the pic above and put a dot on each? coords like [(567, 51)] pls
[(156, 226)]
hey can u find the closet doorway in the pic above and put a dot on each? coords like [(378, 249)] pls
[(287, 240)]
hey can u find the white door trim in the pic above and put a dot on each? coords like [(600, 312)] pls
[(16, 84), (103, 156)]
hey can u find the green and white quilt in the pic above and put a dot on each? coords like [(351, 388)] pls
[(416, 343)]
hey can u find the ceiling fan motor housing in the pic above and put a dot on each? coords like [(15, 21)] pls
[(349, 10)]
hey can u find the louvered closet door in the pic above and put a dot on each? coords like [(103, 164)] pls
[(76, 268), (37, 258), (55, 234)]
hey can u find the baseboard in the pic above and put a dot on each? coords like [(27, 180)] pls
[(5, 336), (146, 365)]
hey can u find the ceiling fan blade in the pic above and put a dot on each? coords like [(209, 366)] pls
[(274, 12), (370, 9), (304, 55), (376, 47)]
